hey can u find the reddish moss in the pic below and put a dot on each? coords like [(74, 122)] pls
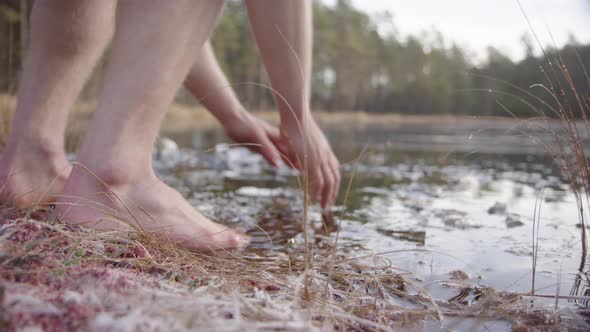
[(26, 232)]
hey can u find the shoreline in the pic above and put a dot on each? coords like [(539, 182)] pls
[(184, 116), (181, 119)]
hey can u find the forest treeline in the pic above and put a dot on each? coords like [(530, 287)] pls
[(359, 65)]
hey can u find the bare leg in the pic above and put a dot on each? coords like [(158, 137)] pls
[(67, 37), (152, 52)]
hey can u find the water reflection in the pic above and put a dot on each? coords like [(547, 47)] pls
[(439, 192), (581, 288), (412, 236)]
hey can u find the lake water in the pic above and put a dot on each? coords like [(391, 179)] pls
[(435, 199)]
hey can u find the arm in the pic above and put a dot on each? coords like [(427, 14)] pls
[(283, 31), (209, 85)]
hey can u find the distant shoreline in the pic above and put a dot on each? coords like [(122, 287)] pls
[(183, 118)]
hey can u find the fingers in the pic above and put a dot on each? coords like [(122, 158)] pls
[(329, 185), (282, 147), (289, 157), (322, 166), (316, 182), (331, 175), (269, 151), (335, 169), (325, 181), (273, 133)]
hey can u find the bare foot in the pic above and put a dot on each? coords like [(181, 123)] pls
[(32, 175), (150, 206)]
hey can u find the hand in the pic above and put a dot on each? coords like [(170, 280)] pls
[(295, 142), (255, 134)]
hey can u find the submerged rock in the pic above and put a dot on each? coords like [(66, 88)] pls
[(455, 219), (459, 275), (238, 160), (513, 220), (497, 208), (166, 152)]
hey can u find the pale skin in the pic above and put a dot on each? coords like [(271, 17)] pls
[(208, 84), (113, 185)]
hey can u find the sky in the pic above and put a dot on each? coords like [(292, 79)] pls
[(476, 24)]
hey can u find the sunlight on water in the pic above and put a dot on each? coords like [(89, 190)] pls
[(455, 209)]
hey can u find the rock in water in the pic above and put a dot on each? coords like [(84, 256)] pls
[(498, 208), (513, 220), (459, 275), (167, 152)]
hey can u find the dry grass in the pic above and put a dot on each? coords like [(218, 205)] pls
[(562, 125), (64, 277)]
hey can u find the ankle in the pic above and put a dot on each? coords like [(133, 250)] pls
[(28, 150), (111, 174)]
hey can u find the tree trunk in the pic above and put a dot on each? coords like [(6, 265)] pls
[(24, 26)]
